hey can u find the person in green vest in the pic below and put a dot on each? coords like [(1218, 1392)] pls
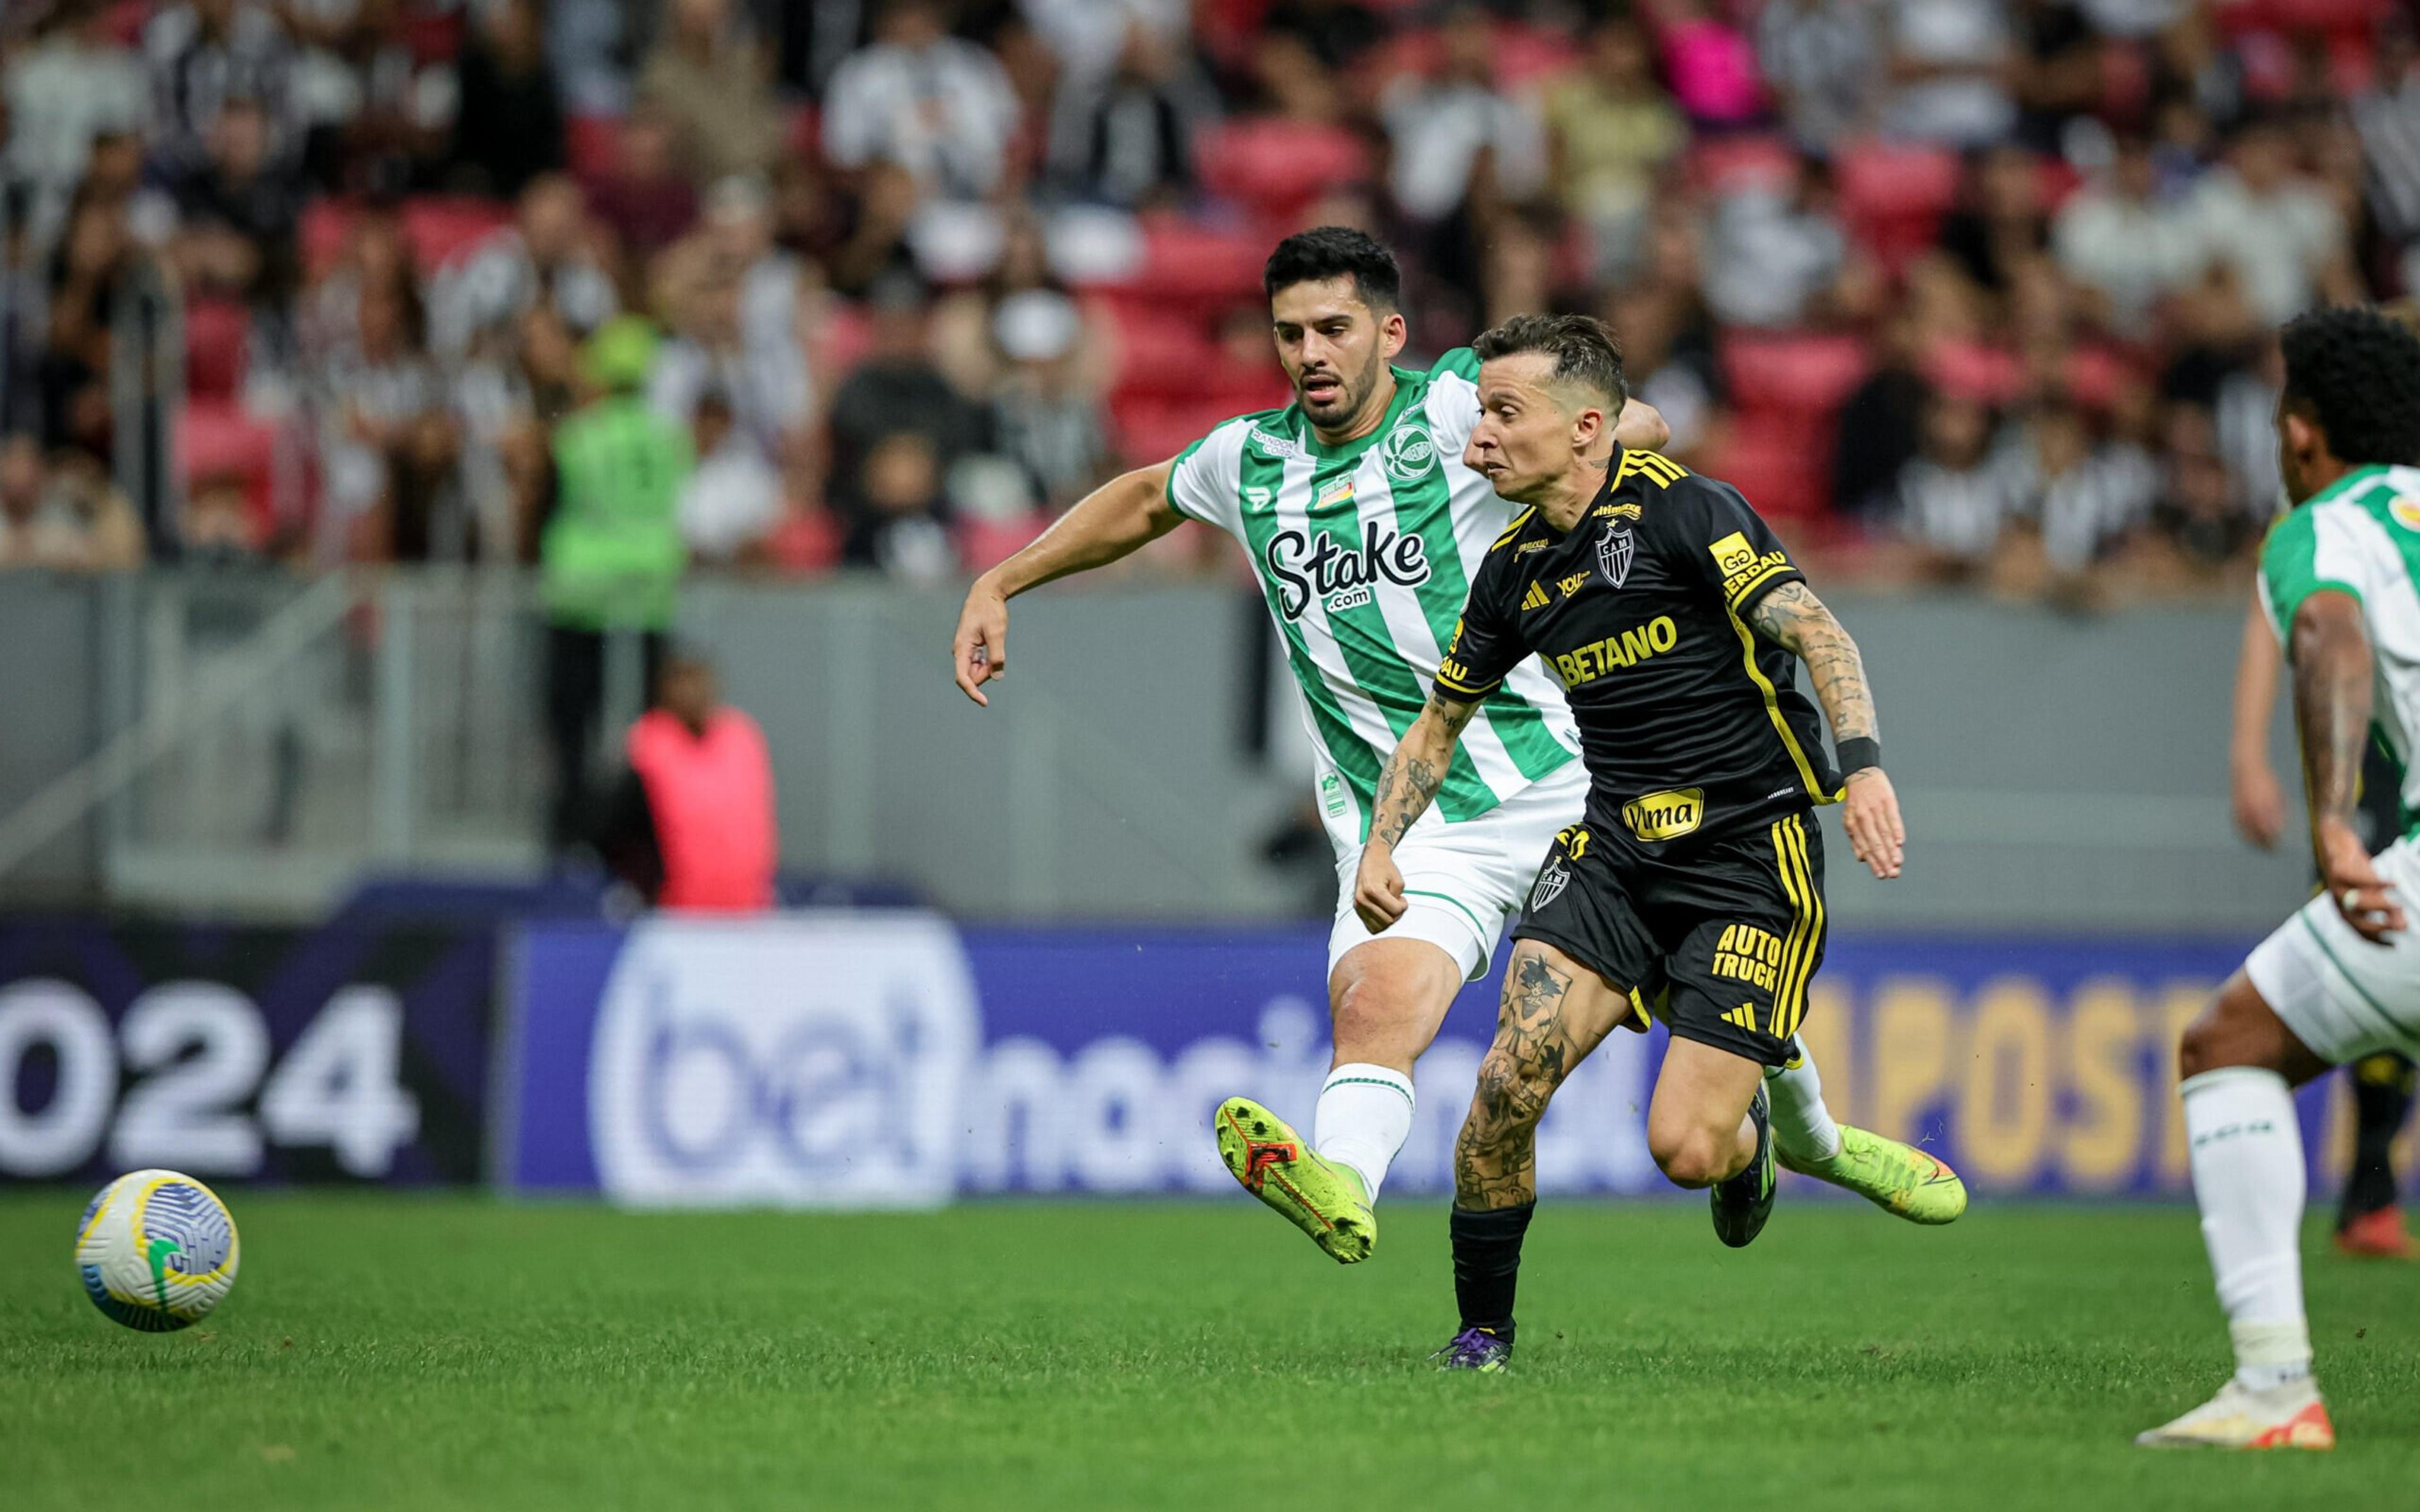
[(610, 556)]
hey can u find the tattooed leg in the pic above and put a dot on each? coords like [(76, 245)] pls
[(1555, 1011)]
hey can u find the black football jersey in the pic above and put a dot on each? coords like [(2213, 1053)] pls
[(1689, 722)]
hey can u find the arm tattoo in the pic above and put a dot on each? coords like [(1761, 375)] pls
[(1495, 1156), (2331, 699), (1409, 781), (1796, 621)]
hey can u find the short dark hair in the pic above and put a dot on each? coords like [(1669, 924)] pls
[(1584, 348), (2355, 372), (1327, 252)]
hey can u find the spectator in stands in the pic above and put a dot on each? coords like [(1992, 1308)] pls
[(731, 503), (2058, 69), (715, 87), (898, 388), (1821, 59), (21, 302), (2273, 228), (385, 129), (66, 518), (203, 53), (964, 321), (2124, 244), (1999, 227), (1090, 39), (900, 519), (237, 217), (2082, 496), (941, 108), (1955, 498), (691, 826), (547, 256), (1044, 419), (2387, 115), (1711, 64), (610, 555), (645, 200), (1612, 133), (736, 299), (1876, 431), (74, 83), (1775, 255), (387, 440), (509, 127), (1334, 35), (1950, 63), (2201, 528), (1667, 349), (217, 526), (1443, 128), (90, 274), (1125, 138)]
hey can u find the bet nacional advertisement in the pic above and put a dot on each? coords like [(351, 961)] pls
[(879, 1060), (356, 1052)]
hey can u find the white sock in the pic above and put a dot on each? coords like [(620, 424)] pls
[(2247, 1174), (1364, 1118), (1801, 1124)]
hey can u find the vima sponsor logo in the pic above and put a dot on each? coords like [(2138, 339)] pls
[(1118, 1115), (793, 1062)]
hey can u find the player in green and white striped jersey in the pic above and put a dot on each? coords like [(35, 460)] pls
[(2341, 584), (1364, 528)]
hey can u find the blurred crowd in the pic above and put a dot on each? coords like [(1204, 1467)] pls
[(1974, 291)]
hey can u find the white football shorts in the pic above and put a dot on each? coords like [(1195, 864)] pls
[(1464, 884), (2342, 995)]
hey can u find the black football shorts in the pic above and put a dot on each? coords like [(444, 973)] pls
[(1717, 937)]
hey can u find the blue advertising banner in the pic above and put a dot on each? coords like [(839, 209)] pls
[(356, 1052), (893, 1060)]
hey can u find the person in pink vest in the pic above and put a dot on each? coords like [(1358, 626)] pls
[(694, 827)]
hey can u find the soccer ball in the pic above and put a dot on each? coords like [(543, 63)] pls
[(156, 1251)]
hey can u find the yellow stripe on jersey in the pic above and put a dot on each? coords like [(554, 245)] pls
[(1655, 466), (1514, 529), (1805, 939), (1773, 712)]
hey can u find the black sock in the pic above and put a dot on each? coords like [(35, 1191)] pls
[(1487, 1264), (2382, 1099)]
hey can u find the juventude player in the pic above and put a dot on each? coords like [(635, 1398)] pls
[(1364, 527), (2341, 979), (1692, 888)]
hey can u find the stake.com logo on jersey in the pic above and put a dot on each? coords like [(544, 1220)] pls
[(1342, 576)]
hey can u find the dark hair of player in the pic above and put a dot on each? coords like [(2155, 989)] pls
[(1327, 252), (1585, 349), (2355, 372)]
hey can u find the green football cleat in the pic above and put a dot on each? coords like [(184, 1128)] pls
[(1323, 1199), (1900, 1178)]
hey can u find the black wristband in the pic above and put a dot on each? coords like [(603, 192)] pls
[(1859, 752)]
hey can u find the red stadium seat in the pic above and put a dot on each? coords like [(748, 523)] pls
[(1153, 430), (1189, 264), (1160, 354), (441, 226), (1970, 370), (1724, 164), (218, 438), (984, 544), (1893, 195), (1799, 374), (1782, 465), (326, 224), (218, 337), (1275, 168)]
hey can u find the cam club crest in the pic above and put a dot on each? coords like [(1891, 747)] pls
[(1551, 883), (1614, 550)]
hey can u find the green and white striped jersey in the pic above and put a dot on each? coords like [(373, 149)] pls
[(2361, 535), (1365, 553)]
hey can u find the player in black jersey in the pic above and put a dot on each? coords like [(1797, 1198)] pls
[(1692, 891)]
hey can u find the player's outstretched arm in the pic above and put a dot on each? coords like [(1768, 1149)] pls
[(2259, 803), (1407, 785), (1792, 618), (1124, 514), (2331, 699)]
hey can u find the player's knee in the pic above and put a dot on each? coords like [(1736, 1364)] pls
[(1692, 1154), (1511, 1092), (2223, 1033)]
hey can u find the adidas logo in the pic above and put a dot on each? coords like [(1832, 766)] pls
[(1741, 1017), (1536, 597)]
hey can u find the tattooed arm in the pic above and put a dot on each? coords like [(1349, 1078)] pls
[(1792, 618), (1407, 785), (2331, 705)]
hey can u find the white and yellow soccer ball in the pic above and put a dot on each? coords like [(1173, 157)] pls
[(156, 1251)]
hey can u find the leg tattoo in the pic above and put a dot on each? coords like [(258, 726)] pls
[(1495, 1158)]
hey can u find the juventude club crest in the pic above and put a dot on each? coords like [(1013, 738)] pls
[(1614, 550), (1551, 883), (1408, 454)]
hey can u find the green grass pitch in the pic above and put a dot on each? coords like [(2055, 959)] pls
[(386, 1352)]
